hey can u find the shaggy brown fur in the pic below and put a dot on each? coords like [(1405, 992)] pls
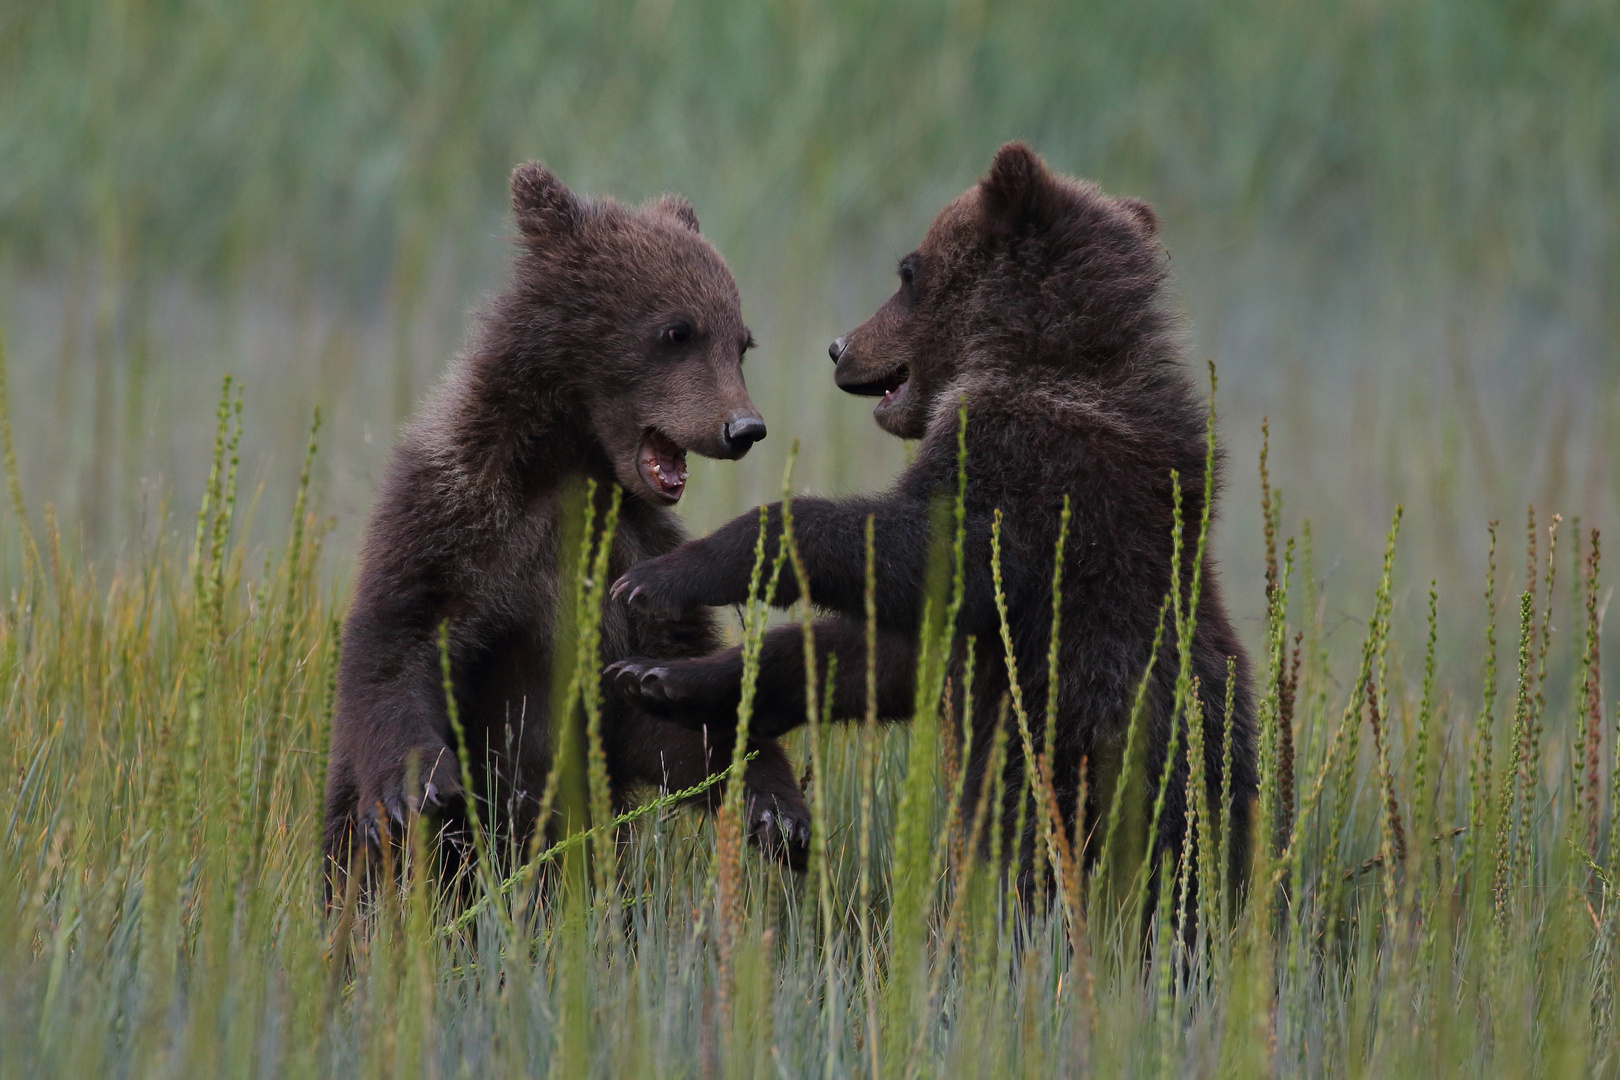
[(1037, 298), (617, 347)]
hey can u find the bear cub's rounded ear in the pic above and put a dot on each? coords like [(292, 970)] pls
[(1143, 213), (677, 207), (1017, 191), (541, 203)]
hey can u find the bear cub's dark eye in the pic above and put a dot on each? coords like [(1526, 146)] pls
[(676, 334)]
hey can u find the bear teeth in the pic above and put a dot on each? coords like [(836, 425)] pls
[(662, 464)]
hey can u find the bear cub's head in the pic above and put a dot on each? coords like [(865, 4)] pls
[(641, 320), (1025, 267)]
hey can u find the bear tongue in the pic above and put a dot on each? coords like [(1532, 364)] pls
[(663, 466)]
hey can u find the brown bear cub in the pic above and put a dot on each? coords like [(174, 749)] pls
[(1037, 299), (616, 349)]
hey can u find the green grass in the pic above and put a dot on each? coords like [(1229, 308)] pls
[(1417, 908)]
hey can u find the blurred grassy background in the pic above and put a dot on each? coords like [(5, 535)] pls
[(1394, 226)]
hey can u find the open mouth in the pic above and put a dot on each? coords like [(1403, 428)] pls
[(891, 387), (662, 465)]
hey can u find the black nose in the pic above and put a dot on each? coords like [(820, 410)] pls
[(836, 349), (742, 432)]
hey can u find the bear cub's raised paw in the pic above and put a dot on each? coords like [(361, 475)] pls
[(674, 690), (645, 682), (664, 587)]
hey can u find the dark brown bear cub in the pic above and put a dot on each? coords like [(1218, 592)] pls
[(616, 349), (1037, 299)]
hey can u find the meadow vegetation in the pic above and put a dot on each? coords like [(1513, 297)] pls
[(1433, 887), (1394, 228)]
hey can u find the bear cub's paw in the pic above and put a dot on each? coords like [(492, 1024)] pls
[(660, 688), (779, 825), (661, 587), (390, 803)]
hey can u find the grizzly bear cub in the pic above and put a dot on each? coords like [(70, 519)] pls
[(617, 348), (1035, 298)]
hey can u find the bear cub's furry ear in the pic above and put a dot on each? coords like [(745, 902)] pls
[(677, 207), (1018, 193), (1143, 213), (542, 204)]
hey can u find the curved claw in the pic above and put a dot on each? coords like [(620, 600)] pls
[(624, 586), (653, 686), (385, 816), (650, 588), (783, 835), (640, 679)]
